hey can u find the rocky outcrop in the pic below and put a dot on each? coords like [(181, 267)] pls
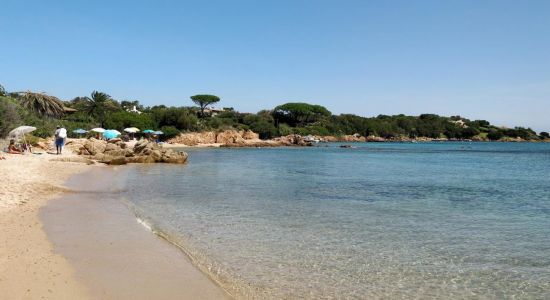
[(230, 137), (93, 147), (194, 138), (116, 152), (235, 139), (292, 140), (150, 151), (226, 137)]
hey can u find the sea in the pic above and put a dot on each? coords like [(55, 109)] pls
[(449, 220)]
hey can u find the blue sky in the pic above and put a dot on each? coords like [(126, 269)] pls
[(479, 59)]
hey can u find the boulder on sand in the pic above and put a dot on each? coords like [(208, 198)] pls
[(118, 154), (155, 153), (94, 146)]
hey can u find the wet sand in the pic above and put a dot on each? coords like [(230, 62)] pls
[(114, 255), (29, 267)]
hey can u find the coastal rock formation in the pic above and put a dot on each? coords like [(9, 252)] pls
[(292, 140), (116, 152), (93, 147), (250, 135), (194, 138), (234, 139), (230, 137), (226, 137)]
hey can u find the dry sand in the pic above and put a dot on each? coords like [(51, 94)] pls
[(29, 269)]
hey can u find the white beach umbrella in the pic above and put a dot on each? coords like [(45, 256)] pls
[(21, 131), (131, 129), (99, 130), (115, 131)]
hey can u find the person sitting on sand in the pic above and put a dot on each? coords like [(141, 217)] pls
[(26, 147), (12, 149)]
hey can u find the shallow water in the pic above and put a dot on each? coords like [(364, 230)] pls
[(426, 220), (112, 254)]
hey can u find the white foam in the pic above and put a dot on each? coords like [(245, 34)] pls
[(145, 224)]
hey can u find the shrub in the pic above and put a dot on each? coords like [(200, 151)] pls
[(169, 132), (9, 116), (495, 135)]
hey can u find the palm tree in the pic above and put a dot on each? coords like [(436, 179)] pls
[(98, 105), (41, 103)]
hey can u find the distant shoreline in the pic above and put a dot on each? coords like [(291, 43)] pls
[(247, 138)]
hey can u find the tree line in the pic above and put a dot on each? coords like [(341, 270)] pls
[(101, 110)]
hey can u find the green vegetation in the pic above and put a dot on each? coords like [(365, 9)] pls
[(42, 104), (101, 110), (204, 100), (98, 105)]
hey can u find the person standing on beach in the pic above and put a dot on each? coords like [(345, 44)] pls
[(60, 136)]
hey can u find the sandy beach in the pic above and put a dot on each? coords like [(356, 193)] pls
[(29, 268), (34, 263)]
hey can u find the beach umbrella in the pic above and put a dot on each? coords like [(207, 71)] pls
[(114, 131), (21, 131), (158, 132), (148, 131), (98, 130), (80, 131), (110, 134), (131, 129)]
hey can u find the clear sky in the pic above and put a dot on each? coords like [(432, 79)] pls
[(479, 59)]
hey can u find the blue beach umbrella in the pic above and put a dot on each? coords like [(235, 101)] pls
[(80, 131), (148, 131), (110, 134)]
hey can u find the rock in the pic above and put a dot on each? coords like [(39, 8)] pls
[(173, 157), (156, 154), (149, 152), (119, 160), (95, 146), (83, 151), (250, 135), (118, 152), (128, 152), (372, 138), (194, 138), (140, 159), (142, 145), (111, 147), (114, 141), (106, 159), (229, 137)]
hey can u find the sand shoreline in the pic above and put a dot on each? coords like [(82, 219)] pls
[(33, 264), (29, 267)]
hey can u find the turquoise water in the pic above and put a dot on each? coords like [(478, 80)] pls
[(426, 220)]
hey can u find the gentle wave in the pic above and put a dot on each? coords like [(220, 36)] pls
[(214, 271)]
